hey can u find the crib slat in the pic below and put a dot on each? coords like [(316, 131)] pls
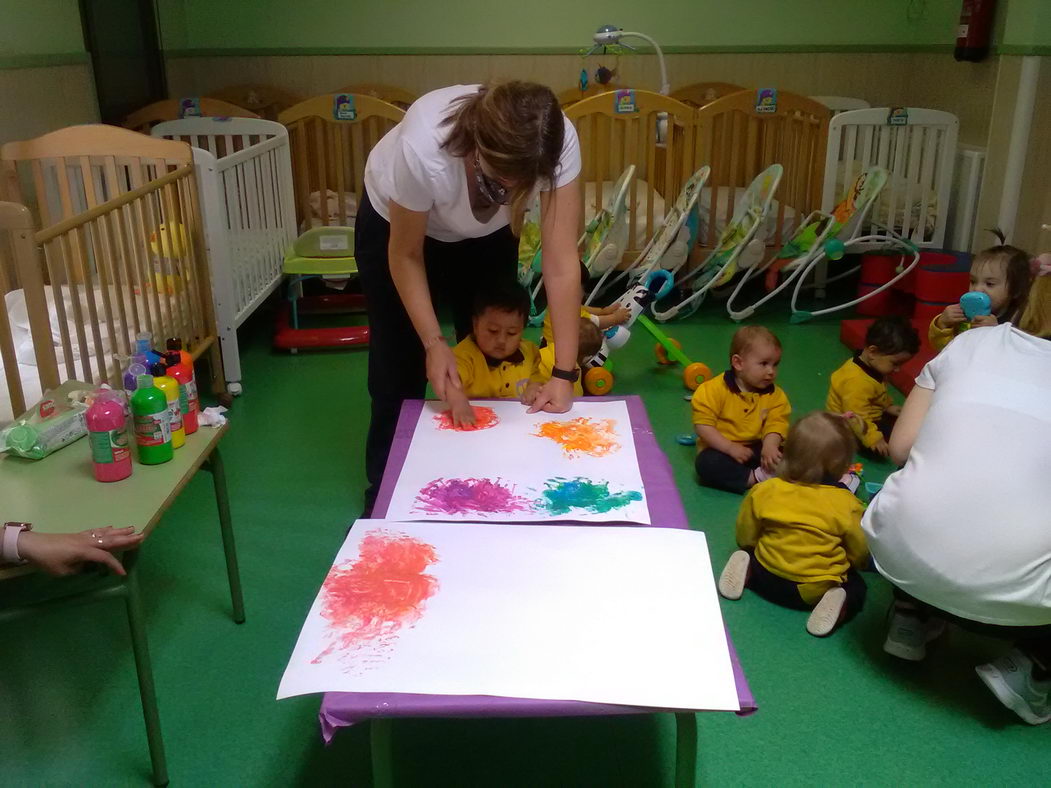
[(359, 148), (89, 244), (73, 289), (118, 243), (322, 169), (935, 153)]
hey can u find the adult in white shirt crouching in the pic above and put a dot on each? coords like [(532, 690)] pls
[(445, 192), (963, 530)]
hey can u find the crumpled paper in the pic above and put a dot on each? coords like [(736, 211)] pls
[(212, 417)]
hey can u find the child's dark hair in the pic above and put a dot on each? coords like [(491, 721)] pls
[(504, 297), (1015, 264), (819, 448), (590, 341), (893, 334)]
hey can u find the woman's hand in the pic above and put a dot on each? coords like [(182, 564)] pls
[(441, 370), (63, 554), (555, 396)]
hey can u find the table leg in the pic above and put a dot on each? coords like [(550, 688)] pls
[(144, 670), (685, 749), (222, 501), (380, 744), (295, 290)]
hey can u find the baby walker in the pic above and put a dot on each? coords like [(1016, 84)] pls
[(317, 253), (820, 235), (670, 246), (719, 267), (602, 245)]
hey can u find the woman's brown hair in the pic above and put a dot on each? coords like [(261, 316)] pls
[(819, 447), (517, 128), (1036, 319)]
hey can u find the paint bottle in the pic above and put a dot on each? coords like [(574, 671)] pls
[(144, 347), (174, 344), (189, 404), (108, 435), (149, 411), (170, 387), (133, 366)]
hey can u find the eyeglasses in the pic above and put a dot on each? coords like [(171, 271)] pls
[(491, 189)]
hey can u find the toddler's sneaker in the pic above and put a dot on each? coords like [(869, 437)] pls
[(735, 575), (827, 612), (1011, 680), (908, 635)]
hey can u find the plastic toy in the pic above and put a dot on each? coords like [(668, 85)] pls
[(975, 304), (820, 235), (718, 268), (598, 375), (168, 242), (317, 253)]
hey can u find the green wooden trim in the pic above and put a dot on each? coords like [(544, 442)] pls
[(859, 48), (44, 61), (1043, 50)]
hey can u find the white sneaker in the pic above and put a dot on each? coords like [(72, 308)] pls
[(1011, 680), (735, 575), (826, 613), (908, 635)]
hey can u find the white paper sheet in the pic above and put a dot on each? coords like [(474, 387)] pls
[(579, 465), (607, 614)]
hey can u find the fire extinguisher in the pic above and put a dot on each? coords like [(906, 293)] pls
[(975, 30)]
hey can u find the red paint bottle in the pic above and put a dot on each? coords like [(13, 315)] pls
[(189, 403)]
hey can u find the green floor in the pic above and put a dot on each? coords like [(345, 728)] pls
[(831, 711)]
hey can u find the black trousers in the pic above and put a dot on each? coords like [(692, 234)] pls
[(1034, 641), (780, 591), (397, 371), (715, 469)]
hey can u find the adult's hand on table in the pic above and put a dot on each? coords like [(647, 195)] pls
[(63, 554)]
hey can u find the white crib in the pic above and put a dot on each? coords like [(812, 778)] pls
[(917, 146), (244, 176)]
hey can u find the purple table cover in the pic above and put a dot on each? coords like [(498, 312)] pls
[(340, 709)]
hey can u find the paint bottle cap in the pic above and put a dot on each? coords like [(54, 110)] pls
[(174, 343), (158, 370), (144, 382)]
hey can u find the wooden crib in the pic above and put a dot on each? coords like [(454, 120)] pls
[(740, 135), (399, 97), (700, 93), (330, 145), (173, 109), (123, 253), (658, 136), (266, 101)]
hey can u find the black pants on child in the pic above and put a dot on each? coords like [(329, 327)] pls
[(786, 593), (1033, 641), (715, 469), (397, 371)]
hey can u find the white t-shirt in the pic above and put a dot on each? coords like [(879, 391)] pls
[(410, 166), (966, 525)]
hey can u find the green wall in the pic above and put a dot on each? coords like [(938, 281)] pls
[(1027, 27), (40, 32), (402, 26)]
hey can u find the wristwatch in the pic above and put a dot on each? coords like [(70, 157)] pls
[(9, 542), (562, 374)]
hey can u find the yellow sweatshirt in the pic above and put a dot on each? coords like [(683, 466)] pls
[(547, 363), (940, 337), (547, 333), (857, 387), (485, 377), (805, 533), (740, 416)]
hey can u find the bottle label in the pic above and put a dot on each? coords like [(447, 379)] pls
[(175, 415), (109, 446), (184, 399), (153, 429), (191, 395)]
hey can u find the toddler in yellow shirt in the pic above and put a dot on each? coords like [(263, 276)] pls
[(858, 388), (800, 532), (588, 344), (740, 416), (494, 361)]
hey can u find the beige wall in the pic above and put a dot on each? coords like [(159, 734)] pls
[(34, 101)]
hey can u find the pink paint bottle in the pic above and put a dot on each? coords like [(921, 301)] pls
[(108, 435)]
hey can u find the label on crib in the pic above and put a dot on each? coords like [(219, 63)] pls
[(343, 107), (175, 415), (153, 429), (110, 446), (334, 243), (624, 102), (766, 101), (190, 107), (898, 116)]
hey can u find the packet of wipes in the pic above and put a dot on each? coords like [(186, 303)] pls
[(56, 421)]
